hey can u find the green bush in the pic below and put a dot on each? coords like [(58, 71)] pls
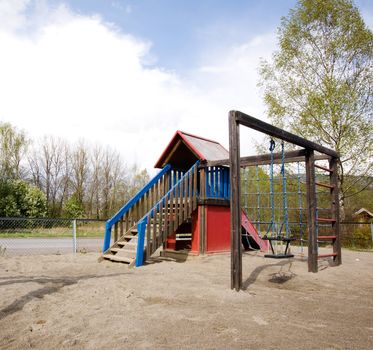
[(20, 199)]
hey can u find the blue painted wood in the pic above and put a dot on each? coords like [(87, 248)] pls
[(107, 237), (226, 183), (129, 205), (217, 182), (141, 227)]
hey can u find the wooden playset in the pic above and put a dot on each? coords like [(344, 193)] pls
[(194, 204), (305, 154)]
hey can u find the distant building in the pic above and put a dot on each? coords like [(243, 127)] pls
[(363, 215)]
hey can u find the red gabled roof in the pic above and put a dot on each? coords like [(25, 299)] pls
[(198, 147)]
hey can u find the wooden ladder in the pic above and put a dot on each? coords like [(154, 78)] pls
[(315, 220)]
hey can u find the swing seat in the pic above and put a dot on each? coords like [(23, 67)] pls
[(279, 256), (284, 255)]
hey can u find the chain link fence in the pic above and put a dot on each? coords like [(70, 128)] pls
[(25, 236), (356, 235)]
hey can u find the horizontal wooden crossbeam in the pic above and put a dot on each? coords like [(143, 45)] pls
[(271, 130), (265, 159)]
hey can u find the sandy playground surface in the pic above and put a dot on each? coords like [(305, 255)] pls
[(67, 302)]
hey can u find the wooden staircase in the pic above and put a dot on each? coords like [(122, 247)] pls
[(175, 200), (124, 249)]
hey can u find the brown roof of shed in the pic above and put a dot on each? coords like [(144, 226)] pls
[(185, 149)]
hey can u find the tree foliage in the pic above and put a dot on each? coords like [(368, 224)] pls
[(13, 144), (319, 83), (73, 208), (20, 199), (53, 177)]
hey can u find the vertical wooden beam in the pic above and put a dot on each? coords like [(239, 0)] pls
[(195, 188), (126, 220), (333, 165), (115, 231), (121, 227), (235, 205), (311, 212), (149, 242), (202, 229), (202, 212)]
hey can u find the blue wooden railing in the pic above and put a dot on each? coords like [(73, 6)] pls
[(217, 182), (183, 197), (131, 203)]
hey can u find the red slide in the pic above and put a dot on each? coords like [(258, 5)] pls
[(251, 230)]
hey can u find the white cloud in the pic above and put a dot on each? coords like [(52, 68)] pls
[(11, 14), (75, 76)]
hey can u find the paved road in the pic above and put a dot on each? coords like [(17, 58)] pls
[(26, 246)]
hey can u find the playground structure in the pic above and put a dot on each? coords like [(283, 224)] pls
[(194, 203), (185, 207), (307, 155)]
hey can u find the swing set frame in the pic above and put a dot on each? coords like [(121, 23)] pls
[(307, 155)]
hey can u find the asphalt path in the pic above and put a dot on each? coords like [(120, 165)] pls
[(25, 246)]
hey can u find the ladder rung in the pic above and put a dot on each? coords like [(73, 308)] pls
[(327, 237), (324, 185), (323, 168), (325, 220), (327, 255)]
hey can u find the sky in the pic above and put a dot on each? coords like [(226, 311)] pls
[(129, 73)]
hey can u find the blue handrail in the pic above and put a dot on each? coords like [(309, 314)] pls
[(141, 226), (129, 205)]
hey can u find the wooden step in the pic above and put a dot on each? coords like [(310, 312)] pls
[(131, 248), (183, 236), (132, 242), (125, 253), (323, 168), (327, 237), (118, 258), (131, 233), (327, 255), (324, 185), (115, 249), (326, 220)]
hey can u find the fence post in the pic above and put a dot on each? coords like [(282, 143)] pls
[(74, 236)]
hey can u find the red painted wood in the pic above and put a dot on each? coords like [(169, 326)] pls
[(325, 220), (326, 255), (218, 237), (327, 237), (323, 168), (250, 228), (171, 242), (195, 231)]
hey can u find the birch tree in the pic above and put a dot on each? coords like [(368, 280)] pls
[(319, 84)]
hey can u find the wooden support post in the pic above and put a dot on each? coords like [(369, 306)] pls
[(311, 212), (202, 213), (235, 205), (115, 231), (335, 210)]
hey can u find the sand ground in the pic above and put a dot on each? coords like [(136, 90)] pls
[(74, 302)]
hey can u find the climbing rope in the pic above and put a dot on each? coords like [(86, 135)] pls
[(258, 198), (272, 224), (284, 193), (300, 210)]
